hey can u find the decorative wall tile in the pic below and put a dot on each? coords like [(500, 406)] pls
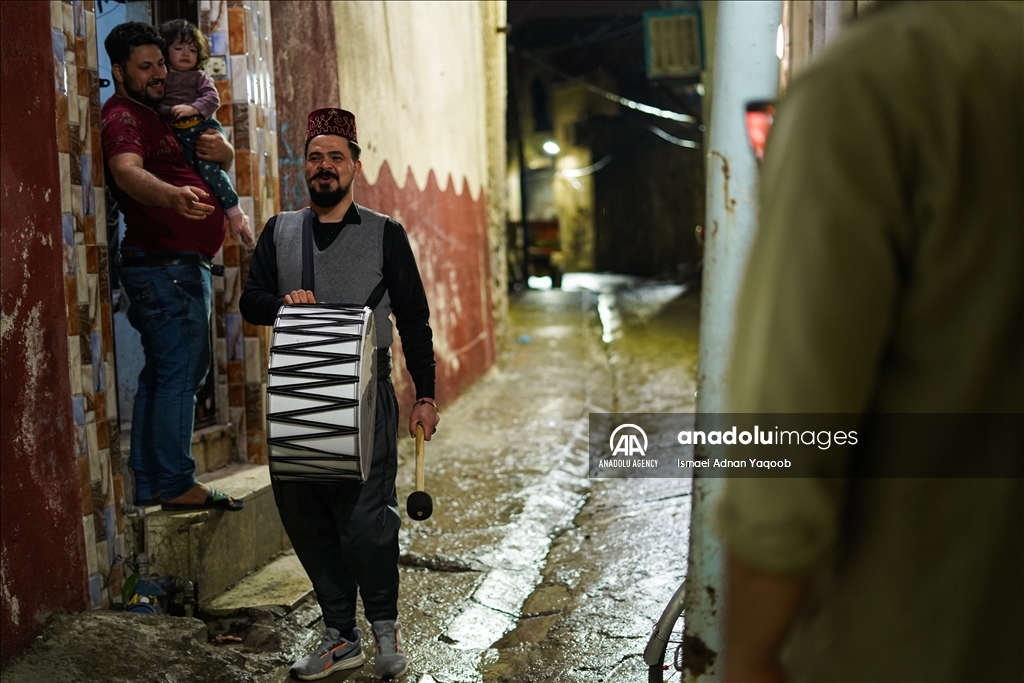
[(78, 18), (99, 375), (102, 433), (68, 28), (237, 30), (90, 40), (219, 43), (223, 90), (239, 78), (254, 405), (89, 230), (233, 336), (87, 195), (96, 152), (110, 526), (238, 420), (240, 115), (236, 395), (85, 485), (68, 232), (253, 360), (231, 254), (94, 451), (82, 275), (95, 583), (64, 161), (103, 272), (84, 107), (111, 395), (114, 438), (97, 521), (92, 565), (232, 291), (256, 443), (76, 195), (118, 495), (224, 114), (243, 171), (222, 402), (75, 363), (100, 204), (63, 136), (72, 90), (82, 80), (251, 331)]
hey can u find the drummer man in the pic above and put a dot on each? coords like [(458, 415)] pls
[(346, 535)]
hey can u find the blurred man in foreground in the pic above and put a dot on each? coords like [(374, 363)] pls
[(887, 278)]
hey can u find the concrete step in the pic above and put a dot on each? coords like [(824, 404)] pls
[(282, 582), (216, 549)]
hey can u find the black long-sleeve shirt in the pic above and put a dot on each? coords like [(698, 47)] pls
[(261, 301)]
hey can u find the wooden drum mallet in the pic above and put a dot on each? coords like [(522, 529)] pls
[(419, 505)]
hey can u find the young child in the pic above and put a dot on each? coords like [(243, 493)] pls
[(190, 100)]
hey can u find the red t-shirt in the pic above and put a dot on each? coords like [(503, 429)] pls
[(132, 127)]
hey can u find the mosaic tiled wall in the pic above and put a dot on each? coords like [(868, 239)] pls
[(87, 290), (239, 36)]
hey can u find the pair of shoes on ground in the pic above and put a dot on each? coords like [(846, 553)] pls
[(336, 653)]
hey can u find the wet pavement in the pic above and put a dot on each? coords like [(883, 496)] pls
[(527, 570)]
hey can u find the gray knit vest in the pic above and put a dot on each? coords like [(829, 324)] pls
[(346, 272)]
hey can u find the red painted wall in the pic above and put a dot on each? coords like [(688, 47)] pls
[(42, 546), (448, 232)]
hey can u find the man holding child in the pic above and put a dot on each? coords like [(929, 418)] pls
[(173, 228)]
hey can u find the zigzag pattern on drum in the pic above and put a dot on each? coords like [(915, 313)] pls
[(321, 393)]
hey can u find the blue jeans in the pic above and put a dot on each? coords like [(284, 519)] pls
[(170, 307)]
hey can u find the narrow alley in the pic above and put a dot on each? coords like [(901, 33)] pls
[(527, 570), (711, 310)]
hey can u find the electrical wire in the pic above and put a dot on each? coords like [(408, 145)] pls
[(673, 139)]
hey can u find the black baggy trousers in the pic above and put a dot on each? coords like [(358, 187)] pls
[(346, 535)]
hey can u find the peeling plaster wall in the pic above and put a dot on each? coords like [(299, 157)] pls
[(42, 554), (426, 82)]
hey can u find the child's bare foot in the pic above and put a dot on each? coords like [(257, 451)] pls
[(238, 226)]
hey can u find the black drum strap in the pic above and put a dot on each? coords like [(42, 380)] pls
[(308, 276), (376, 295)]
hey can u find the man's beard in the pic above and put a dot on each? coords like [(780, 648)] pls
[(140, 94), (327, 199)]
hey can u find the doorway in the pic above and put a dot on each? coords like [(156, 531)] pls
[(129, 358)]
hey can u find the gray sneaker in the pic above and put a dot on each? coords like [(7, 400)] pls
[(334, 653), (390, 662)]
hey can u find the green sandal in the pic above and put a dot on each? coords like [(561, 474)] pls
[(215, 500)]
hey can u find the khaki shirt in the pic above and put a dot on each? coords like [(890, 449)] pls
[(888, 276)]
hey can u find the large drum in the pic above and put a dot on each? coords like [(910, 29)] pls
[(322, 393)]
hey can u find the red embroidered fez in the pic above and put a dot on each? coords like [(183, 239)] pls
[(331, 121)]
